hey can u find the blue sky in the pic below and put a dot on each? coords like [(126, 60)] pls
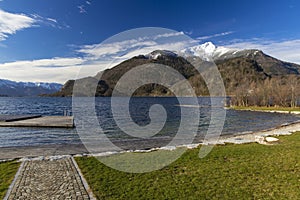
[(50, 40)]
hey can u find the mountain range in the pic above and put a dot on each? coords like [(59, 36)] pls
[(12, 88), (237, 67)]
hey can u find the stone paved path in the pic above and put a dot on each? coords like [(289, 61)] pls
[(48, 179)]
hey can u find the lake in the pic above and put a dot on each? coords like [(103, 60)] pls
[(237, 122)]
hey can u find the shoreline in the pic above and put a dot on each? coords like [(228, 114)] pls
[(12, 153), (264, 137), (260, 136), (261, 109)]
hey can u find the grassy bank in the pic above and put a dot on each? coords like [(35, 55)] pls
[(7, 173), (264, 108), (249, 171)]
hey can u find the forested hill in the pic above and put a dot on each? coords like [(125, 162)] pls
[(250, 76)]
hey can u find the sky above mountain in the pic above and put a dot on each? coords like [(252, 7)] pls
[(52, 40)]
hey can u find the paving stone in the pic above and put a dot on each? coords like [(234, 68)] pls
[(48, 179)]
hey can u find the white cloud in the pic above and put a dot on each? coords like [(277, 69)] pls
[(215, 35), (51, 19), (142, 44), (53, 70), (48, 70), (288, 50), (81, 9), (176, 46), (166, 35), (96, 58), (53, 74), (11, 23), (54, 62), (103, 50), (46, 21)]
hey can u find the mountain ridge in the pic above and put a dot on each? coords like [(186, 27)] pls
[(237, 67), (15, 88)]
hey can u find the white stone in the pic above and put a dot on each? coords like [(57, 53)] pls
[(259, 139), (271, 139)]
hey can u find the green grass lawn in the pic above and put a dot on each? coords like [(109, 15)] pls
[(264, 108), (7, 173), (248, 171)]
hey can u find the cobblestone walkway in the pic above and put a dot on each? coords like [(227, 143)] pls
[(48, 179)]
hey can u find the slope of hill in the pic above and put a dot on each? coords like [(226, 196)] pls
[(237, 67)]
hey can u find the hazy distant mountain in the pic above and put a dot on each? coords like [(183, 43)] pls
[(12, 88), (236, 67)]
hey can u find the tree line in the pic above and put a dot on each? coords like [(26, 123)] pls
[(276, 91)]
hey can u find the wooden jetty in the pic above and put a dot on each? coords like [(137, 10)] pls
[(36, 121)]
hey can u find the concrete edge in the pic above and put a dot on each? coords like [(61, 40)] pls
[(68, 122), (23, 118), (84, 182), (10, 188)]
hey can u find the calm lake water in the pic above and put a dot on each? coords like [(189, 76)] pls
[(237, 122)]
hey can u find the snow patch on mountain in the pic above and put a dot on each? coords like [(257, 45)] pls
[(208, 51), (13, 88), (158, 53), (9, 83)]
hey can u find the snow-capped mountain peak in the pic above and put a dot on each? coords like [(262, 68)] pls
[(208, 47), (207, 51)]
